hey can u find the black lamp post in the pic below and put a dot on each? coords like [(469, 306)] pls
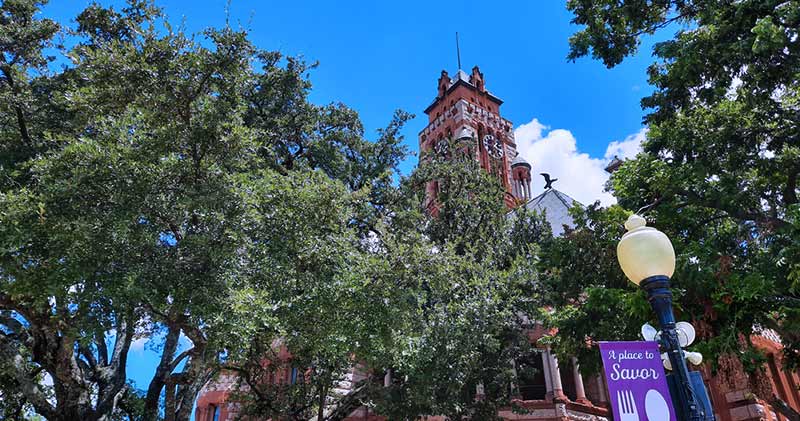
[(648, 260)]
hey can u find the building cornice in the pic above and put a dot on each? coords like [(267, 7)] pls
[(460, 82)]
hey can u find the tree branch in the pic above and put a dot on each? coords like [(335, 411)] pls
[(174, 364), (737, 213), (89, 356), (114, 375), (30, 389), (102, 350), (790, 193), (162, 371), (23, 126)]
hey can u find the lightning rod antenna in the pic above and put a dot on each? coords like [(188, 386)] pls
[(458, 52)]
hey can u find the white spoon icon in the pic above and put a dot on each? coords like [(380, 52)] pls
[(655, 407)]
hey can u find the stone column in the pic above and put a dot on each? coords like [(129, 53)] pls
[(528, 189), (558, 389), (601, 389), (514, 386), (548, 383), (387, 378), (580, 393)]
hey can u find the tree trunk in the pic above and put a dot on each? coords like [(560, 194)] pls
[(163, 371), (351, 401), (194, 377), (169, 401), (321, 410)]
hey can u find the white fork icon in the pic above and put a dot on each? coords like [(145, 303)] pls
[(627, 406)]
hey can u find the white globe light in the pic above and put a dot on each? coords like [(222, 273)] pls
[(644, 251), (695, 358), (683, 339), (686, 333), (665, 360), (649, 332)]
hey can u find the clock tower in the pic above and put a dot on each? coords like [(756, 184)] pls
[(465, 112)]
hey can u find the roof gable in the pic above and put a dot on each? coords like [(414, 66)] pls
[(555, 205)]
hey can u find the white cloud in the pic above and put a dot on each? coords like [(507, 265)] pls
[(137, 345), (579, 175), (627, 148), (141, 336)]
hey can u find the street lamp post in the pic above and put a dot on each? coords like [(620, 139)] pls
[(648, 260)]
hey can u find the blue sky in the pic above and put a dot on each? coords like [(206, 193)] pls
[(379, 56)]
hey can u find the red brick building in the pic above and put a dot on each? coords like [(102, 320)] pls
[(465, 114)]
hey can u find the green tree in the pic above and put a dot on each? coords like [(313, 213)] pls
[(41, 326), (719, 169), (582, 283), (428, 305), (309, 302), (128, 201), (460, 290)]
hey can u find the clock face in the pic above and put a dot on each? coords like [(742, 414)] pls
[(493, 146)]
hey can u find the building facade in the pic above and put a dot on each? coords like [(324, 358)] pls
[(465, 115)]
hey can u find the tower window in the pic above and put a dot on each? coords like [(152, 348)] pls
[(215, 413)]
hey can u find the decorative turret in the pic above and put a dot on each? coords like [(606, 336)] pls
[(444, 83), (476, 79), (521, 178)]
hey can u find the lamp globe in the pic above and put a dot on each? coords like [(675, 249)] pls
[(644, 251)]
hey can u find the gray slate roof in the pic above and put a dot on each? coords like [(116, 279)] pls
[(555, 205), (519, 160)]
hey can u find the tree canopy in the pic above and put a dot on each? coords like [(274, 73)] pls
[(183, 188), (718, 174), (150, 187)]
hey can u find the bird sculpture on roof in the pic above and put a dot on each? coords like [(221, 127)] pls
[(548, 181)]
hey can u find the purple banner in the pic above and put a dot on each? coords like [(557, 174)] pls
[(636, 382)]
